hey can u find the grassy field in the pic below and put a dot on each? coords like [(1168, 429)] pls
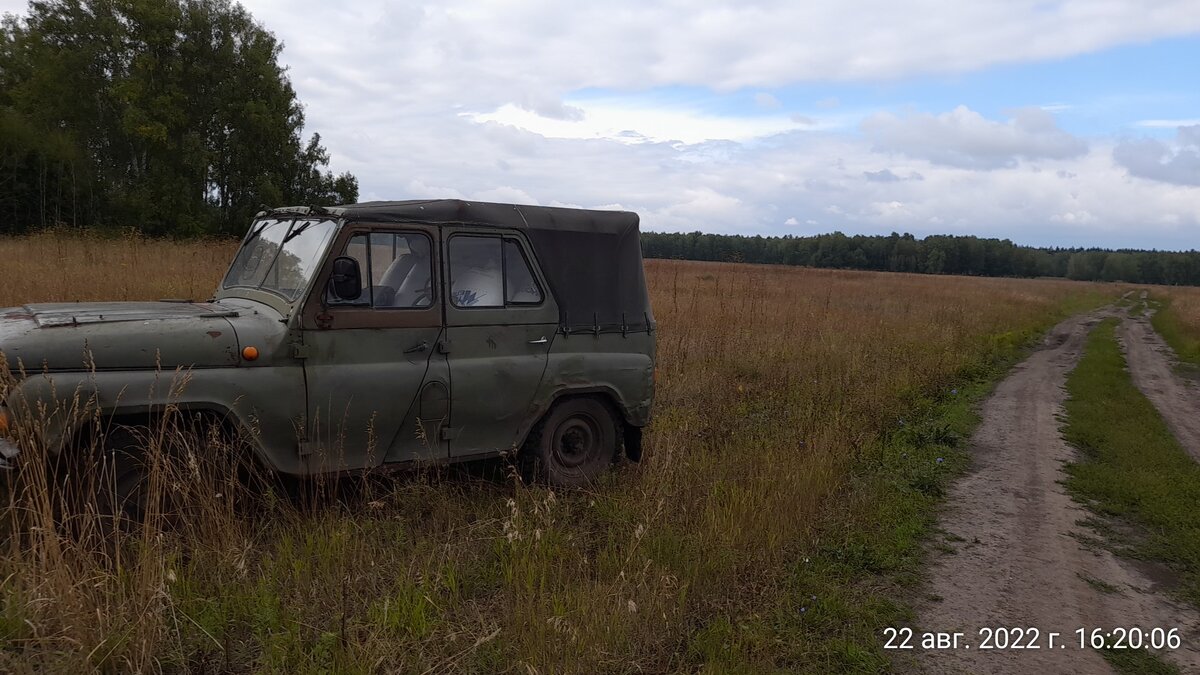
[(805, 425), (1178, 321)]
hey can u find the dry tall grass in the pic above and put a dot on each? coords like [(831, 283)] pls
[(772, 382), (1179, 321)]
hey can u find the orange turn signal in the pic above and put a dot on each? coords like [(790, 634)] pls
[(4, 422), (250, 353)]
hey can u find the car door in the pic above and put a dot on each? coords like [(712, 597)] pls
[(367, 358), (500, 324)]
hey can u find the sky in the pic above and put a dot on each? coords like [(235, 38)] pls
[(1055, 123)]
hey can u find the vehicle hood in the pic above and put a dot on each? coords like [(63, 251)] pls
[(118, 335)]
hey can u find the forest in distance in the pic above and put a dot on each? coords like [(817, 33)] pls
[(935, 254)]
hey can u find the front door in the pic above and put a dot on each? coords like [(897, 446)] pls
[(500, 323), (367, 358)]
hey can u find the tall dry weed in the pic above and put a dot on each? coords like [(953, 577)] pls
[(771, 382)]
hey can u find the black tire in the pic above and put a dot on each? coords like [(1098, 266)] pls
[(573, 444), (122, 488), (102, 483), (195, 459)]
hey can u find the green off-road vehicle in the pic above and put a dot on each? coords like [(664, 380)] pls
[(371, 335)]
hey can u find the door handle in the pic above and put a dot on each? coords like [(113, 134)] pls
[(540, 341), (419, 347)]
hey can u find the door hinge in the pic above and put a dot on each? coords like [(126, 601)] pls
[(443, 346), (449, 433), (299, 351)]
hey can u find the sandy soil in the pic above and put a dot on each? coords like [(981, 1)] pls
[(1020, 558)]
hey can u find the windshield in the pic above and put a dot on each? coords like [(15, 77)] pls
[(281, 255)]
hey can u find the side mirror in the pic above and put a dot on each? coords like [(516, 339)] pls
[(346, 280)]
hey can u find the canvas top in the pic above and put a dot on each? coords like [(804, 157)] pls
[(592, 259)]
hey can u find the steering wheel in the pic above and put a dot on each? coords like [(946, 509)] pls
[(424, 297)]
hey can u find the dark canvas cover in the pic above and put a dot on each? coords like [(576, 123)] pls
[(592, 259)]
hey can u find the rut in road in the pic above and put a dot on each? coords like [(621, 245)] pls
[(1022, 557)]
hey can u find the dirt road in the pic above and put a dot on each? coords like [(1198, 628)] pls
[(1020, 557), (1151, 363)]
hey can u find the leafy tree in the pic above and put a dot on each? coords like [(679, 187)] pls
[(935, 262), (172, 116)]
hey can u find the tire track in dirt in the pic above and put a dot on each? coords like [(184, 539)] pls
[(1151, 364), (1021, 559)]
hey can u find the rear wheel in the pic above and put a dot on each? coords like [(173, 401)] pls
[(573, 444)]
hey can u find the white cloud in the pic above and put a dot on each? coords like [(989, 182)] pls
[(1073, 217), (1177, 163), (766, 100), (504, 194), (1168, 124), (964, 138), (495, 52), (407, 61), (639, 123), (889, 176), (523, 46)]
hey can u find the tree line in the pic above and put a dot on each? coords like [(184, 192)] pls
[(169, 116), (939, 254)]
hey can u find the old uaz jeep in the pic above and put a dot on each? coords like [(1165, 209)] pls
[(376, 334)]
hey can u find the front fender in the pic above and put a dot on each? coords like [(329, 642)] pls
[(267, 403)]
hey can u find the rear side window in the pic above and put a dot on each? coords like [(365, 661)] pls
[(520, 286), (490, 272)]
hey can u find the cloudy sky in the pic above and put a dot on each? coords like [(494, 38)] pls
[(1069, 122)]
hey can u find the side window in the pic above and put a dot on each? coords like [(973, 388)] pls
[(476, 271), (490, 272), (397, 270), (401, 270), (520, 286)]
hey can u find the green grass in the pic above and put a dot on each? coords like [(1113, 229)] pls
[(1133, 472), (871, 556), (1132, 469), (1098, 584), (1138, 662)]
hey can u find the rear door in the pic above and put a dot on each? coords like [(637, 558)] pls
[(500, 324)]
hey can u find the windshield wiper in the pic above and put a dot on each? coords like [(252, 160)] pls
[(297, 232), (257, 231)]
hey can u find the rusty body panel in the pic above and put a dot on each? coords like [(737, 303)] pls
[(322, 384), (118, 335)]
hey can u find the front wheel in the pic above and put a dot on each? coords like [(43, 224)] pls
[(123, 488), (573, 444)]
